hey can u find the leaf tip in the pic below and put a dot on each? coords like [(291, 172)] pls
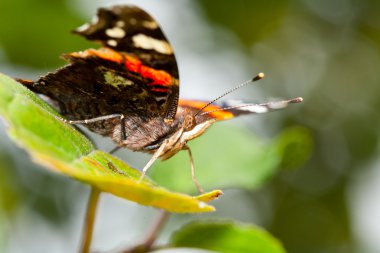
[(209, 196)]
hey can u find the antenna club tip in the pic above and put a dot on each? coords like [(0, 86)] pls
[(259, 76)]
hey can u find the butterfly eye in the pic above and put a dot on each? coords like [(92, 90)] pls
[(189, 122)]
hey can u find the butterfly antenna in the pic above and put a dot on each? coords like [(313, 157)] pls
[(260, 108), (256, 78)]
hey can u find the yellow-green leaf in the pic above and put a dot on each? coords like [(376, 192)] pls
[(60, 147)]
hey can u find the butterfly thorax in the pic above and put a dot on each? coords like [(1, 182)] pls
[(143, 133), (149, 134)]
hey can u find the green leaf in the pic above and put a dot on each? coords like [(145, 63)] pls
[(232, 157), (58, 146), (226, 237)]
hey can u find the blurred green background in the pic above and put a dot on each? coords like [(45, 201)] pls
[(325, 51)]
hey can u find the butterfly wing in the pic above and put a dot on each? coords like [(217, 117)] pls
[(128, 77)]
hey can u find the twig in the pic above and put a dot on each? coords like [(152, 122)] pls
[(89, 220)]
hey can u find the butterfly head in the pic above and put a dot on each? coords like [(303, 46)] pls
[(189, 122), (188, 129)]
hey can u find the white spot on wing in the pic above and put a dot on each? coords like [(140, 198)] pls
[(150, 24), (112, 43), (115, 32), (120, 23), (94, 20), (83, 27), (145, 42)]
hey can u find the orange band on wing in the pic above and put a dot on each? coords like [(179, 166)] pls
[(160, 90), (219, 115), (159, 77), (131, 63)]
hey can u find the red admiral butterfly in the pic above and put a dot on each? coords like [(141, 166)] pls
[(128, 89)]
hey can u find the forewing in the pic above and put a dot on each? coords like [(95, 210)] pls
[(127, 28)]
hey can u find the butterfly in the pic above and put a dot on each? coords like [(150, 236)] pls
[(128, 89)]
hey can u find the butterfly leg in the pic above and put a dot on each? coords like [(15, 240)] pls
[(115, 149), (122, 133), (195, 180), (122, 128), (86, 121), (156, 155)]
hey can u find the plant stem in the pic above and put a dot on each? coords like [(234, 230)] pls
[(89, 220)]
